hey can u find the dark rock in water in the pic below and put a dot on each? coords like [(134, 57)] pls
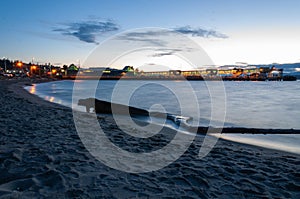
[(101, 106)]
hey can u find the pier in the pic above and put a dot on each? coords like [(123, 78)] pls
[(215, 74)]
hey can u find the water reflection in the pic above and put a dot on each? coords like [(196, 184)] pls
[(50, 98), (32, 89)]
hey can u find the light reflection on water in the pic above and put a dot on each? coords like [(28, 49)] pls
[(32, 89), (52, 99)]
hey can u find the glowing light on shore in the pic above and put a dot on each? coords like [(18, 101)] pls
[(32, 89), (20, 64)]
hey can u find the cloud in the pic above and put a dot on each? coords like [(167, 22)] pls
[(167, 42), (155, 37), (200, 32), (152, 37), (87, 31), (162, 54), (165, 52)]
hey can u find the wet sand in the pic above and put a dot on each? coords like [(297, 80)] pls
[(41, 155)]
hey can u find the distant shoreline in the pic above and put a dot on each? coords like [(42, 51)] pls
[(180, 78)]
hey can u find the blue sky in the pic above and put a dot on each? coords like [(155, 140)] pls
[(61, 31)]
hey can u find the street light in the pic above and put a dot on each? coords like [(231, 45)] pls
[(32, 68), (53, 72), (19, 64)]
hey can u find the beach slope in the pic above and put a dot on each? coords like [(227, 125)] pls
[(41, 155)]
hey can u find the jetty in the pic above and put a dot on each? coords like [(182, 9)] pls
[(104, 107)]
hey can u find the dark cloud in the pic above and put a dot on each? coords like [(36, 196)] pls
[(87, 31), (199, 32)]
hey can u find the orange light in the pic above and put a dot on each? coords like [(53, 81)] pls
[(33, 67), (53, 71), (32, 90), (19, 64)]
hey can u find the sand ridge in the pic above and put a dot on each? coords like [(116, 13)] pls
[(41, 155)]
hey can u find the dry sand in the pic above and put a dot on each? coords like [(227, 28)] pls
[(41, 156)]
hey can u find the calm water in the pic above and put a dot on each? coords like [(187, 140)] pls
[(248, 104)]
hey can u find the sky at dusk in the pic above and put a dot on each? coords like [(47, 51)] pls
[(64, 32)]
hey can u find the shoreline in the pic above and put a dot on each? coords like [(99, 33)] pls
[(41, 155), (230, 132)]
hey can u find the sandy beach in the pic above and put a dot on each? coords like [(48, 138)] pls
[(41, 155)]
